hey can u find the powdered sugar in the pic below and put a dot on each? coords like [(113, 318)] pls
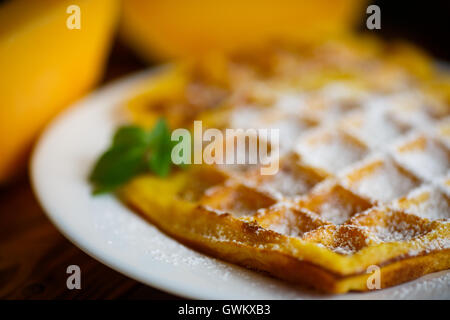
[(374, 127), (329, 150), (426, 202), (423, 156), (384, 182)]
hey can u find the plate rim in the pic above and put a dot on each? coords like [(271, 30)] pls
[(125, 82)]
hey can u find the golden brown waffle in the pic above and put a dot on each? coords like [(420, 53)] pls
[(364, 174)]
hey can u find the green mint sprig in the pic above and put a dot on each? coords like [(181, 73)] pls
[(133, 151)]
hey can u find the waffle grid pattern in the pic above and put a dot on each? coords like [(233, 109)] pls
[(364, 175), (343, 184)]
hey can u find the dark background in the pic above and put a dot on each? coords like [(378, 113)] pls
[(425, 23)]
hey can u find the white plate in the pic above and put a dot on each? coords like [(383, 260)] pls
[(114, 235)]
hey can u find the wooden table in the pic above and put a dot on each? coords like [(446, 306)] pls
[(34, 256)]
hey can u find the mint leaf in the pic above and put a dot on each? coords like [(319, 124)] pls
[(160, 160), (133, 151), (116, 166), (130, 135)]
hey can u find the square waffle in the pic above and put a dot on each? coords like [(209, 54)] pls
[(363, 175)]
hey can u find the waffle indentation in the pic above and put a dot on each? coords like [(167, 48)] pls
[(334, 203), (330, 150), (237, 199), (381, 180), (292, 178), (391, 225), (426, 202), (423, 156), (289, 220), (343, 239)]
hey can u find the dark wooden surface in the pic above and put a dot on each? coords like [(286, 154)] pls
[(34, 256)]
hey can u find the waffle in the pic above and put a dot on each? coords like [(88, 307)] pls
[(364, 163)]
